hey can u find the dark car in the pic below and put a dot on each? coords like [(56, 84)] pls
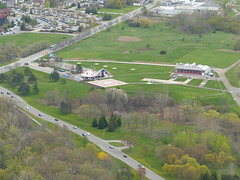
[(8, 93), (125, 156), (56, 119), (2, 92), (111, 147), (39, 115), (12, 96), (83, 134)]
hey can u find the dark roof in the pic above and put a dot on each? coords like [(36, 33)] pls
[(2, 15)]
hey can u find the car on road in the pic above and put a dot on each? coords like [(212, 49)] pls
[(74, 127), (87, 133), (56, 119), (83, 134), (125, 156), (12, 96), (64, 125), (111, 147), (2, 92), (27, 108), (39, 114), (140, 165), (8, 93)]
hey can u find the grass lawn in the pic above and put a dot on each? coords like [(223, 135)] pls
[(232, 75), (113, 15), (125, 9), (214, 84), (28, 38), (195, 82), (209, 49), (130, 73), (181, 79), (116, 144)]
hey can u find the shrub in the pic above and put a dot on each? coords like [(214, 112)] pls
[(163, 52)]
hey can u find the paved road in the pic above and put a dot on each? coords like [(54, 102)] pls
[(103, 144)]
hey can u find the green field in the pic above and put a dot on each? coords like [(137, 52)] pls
[(113, 15), (125, 9), (233, 76), (130, 73), (195, 82), (181, 79), (207, 51), (28, 38), (214, 84), (116, 144)]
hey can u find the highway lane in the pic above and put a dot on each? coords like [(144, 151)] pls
[(99, 142)]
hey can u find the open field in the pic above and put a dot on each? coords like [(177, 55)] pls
[(195, 82), (233, 76), (113, 15), (28, 38), (125, 9), (215, 85), (211, 49), (181, 79), (117, 144)]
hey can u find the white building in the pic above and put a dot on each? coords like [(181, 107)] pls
[(182, 68)]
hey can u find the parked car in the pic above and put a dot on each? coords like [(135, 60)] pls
[(40, 115), (125, 156), (56, 119), (2, 92), (8, 93), (74, 127), (111, 147), (27, 108)]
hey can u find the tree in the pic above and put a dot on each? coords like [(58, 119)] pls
[(111, 126), (80, 28), (54, 76), (66, 107), (35, 88), (24, 88), (141, 172), (103, 156), (145, 148), (47, 4), (107, 17), (101, 123), (79, 5), (23, 27), (145, 23), (79, 68), (119, 122), (94, 123), (164, 152), (32, 78), (27, 71), (131, 141)]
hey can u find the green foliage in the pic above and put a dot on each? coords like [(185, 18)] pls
[(54, 76), (144, 23), (23, 27), (230, 177), (32, 78), (107, 17), (101, 122), (92, 10), (3, 5), (94, 123), (79, 68), (66, 107), (24, 88), (132, 23), (35, 88), (111, 126), (80, 28), (119, 122), (28, 20)]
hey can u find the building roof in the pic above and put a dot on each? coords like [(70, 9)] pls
[(2, 15), (5, 10), (192, 66), (103, 70), (88, 73)]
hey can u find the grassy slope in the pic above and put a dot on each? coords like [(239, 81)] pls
[(214, 84), (28, 38), (125, 9), (204, 52), (195, 82), (232, 76)]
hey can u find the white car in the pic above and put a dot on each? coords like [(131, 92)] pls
[(27, 108), (74, 127)]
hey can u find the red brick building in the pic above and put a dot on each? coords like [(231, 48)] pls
[(6, 11)]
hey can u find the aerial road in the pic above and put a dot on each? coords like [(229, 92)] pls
[(105, 146)]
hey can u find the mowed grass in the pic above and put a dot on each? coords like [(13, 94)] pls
[(28, 38), (125, 9), (116, 144), (181, 79), (233, 75), (130, 73), (195, 82), (113, 15), (214, 84), (209, 50)]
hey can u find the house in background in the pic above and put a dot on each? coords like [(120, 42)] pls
[(89, 74)]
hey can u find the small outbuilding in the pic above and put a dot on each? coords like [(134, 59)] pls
[(92, 75)]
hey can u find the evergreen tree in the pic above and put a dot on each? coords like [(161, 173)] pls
[(79, 68), (32, 78), (79, 6), (115, 122), (27, 71), (94, 123), (214, 176), (105, 121), (35, 87), (119, 121), (24, 88), (111, 126), (22, 27), (101, 124), (55, 76), (66, 107)]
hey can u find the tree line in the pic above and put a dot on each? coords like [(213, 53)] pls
[(30, 152)]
